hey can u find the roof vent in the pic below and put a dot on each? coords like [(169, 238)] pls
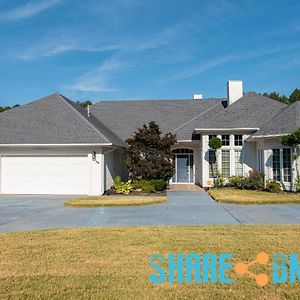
[(234, 91), (198, 96)]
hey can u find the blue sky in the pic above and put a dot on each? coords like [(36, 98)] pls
[(140, 49)]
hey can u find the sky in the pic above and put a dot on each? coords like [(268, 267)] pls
[(146, 49)]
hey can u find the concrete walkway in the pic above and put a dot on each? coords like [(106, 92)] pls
[(24, 212)]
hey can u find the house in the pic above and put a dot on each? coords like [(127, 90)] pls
[(54, 146)]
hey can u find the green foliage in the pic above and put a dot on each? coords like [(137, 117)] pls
[(145, 185), (297, 185), (294, 96), (273, 186), (159, 184), (254, 181), (219, 182), (84, 103), (215, 143), (5, 108), (291, 140), (277, 96), (122, 187), (236, 181), (149, 155)]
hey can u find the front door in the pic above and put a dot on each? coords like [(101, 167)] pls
[(183, 168)]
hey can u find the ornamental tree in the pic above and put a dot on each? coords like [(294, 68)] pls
[(216, 143), (149, 155)]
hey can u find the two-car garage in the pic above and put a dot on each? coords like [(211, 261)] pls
[(44, 174)]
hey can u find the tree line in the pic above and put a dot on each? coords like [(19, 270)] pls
[(293, 97)]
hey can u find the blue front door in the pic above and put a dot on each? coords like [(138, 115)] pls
[(183, 168)]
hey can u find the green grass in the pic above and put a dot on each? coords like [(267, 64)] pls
[(236, 196), (113, 263), (115, 201)]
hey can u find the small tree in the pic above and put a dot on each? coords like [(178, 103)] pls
[(149, 155), (215, 143), (293, 140)]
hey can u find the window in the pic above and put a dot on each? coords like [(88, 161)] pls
[(226, 163), (212, 160), (182, 150), (276, 164), (287, 164), (225, 140), (238, 162), (238, 140), (260, 160)]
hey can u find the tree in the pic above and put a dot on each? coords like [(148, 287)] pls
[(293, 140), (278, 97), (149, 155), (84, 103), (215, 143), (5, 108), (295, 96)]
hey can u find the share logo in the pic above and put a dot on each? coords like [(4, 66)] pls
[(262, 258)]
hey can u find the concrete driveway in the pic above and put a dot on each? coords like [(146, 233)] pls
[(27, 212)]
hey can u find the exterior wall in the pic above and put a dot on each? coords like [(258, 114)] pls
[(196, 147), (248, 153), (95, 163)]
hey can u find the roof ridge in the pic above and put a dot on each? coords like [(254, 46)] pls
[(194, 118), (157, 100), (66, 100)]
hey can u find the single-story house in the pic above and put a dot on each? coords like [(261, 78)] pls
[(55, 146)]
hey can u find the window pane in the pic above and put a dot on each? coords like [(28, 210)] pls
[(238, 162), (287, 165), (212, 163), (276, 164), (238, 140), (226, 163), (260, 158), (225, 140)]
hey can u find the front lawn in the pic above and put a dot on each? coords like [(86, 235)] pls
[(113, 263), (237, 196), (115, 201)]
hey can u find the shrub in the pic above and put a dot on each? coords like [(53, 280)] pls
[(254, 181), (219, 182), (297, 186), (215, 143), (236, 181), (159, 184), (145, 185), (122, 187), (273, 186)]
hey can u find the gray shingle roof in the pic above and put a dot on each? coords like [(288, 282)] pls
[(52, 120), (286, 121), (125, 117), (250, 111)]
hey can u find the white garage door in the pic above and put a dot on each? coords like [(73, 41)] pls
[(44, 175)]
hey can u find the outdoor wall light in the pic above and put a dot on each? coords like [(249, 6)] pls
[(94, 157)]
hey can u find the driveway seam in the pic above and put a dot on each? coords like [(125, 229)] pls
[(232, 214)]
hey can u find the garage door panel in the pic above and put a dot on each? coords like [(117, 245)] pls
[(44, 174)]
